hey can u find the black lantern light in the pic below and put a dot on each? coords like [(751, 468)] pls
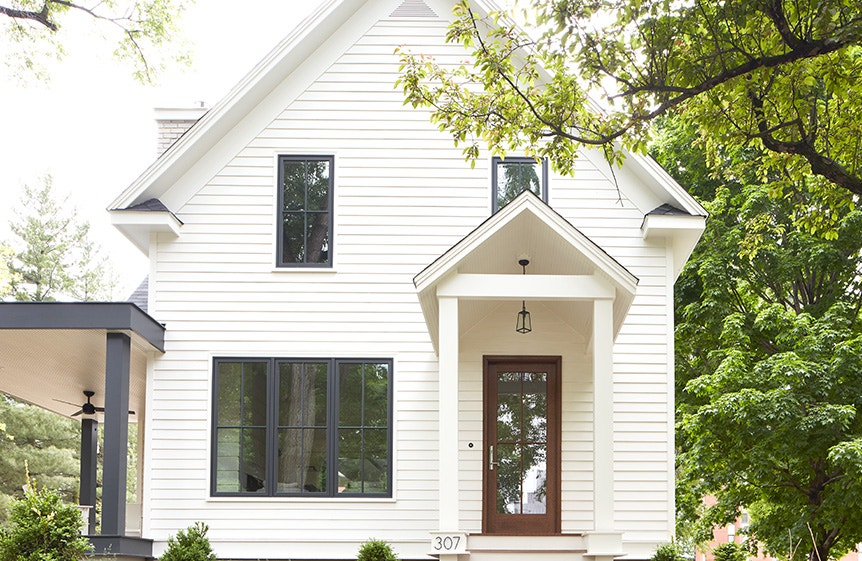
[(524, 324)]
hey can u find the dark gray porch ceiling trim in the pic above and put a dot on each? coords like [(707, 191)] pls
[(110, 316)]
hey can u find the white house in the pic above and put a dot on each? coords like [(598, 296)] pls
[(329, 351)]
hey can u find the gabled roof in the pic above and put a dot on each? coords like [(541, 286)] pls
[(527, 228), (279, 78)]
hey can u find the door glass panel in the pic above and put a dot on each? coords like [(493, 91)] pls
[(508, 479), (522, 441)]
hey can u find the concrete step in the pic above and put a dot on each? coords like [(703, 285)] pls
[(525, 548)]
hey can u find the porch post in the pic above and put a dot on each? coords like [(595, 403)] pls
[(448, 414), (117, 367), (603, 414), (89, 460), (603, 543)]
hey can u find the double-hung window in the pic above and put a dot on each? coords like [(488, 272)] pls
[(302, 427), (513, 175), (304, 215)]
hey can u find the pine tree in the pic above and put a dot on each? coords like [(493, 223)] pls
[(53, 256)]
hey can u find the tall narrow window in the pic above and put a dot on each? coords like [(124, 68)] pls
[(240, 427), (512, 176), (305, 211)]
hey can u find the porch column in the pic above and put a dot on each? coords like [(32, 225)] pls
[(603, 543), (117, 367), (603, 414), (89, 460), (448, 414)]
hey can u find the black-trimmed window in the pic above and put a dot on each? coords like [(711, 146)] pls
[(513, 175), (305, 211), (302, 427)]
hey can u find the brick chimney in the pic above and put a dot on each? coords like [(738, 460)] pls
[(173, 122)]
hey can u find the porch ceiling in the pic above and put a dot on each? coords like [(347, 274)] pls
[(51, 352)]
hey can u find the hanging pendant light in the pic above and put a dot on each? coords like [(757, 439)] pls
[(523, 323)]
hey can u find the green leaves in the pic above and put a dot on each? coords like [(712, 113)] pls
[(141, 29), (769, 352), (52, 254), (43, 528), (768, 75)]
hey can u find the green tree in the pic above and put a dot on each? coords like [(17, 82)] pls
[(769, 350), (5, 252), (140, 29), (53, 255), (775, 74), (47, 443)]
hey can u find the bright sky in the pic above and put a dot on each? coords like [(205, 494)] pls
[(91, 127)]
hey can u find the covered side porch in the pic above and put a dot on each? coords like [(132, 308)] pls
[(578, 297), (51, 353)]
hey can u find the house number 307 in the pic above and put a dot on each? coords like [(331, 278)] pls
[(449, 543)]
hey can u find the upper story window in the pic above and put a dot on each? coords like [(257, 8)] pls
[(305, 211), (305, 428), (513, 175)]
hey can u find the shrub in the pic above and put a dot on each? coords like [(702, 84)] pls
[(730, 552), (376, 550), (191, 544), (41, 527), (668, 552)]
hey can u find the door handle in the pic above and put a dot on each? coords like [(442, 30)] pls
[(491, 460)]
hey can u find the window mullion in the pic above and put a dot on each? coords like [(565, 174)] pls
[(271, 430), (332, 428)]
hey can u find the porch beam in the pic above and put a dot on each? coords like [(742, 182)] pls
[(448, 415), (116, 433), (517, 287)]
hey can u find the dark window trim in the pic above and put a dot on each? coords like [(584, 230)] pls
[(496, 160), (279, 223), (272, 421)]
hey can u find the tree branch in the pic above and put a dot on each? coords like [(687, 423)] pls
[(40, 17), (820, 163)]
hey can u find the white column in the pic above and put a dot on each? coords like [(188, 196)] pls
[(448, 414), (603, 543), (603, 414)]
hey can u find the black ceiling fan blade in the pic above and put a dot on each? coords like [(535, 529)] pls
[(76, 413), (67, 402)]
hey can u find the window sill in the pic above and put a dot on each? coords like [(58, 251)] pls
[(304, 270), (303, 500)]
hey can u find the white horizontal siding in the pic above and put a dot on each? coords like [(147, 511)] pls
[(403, 195)]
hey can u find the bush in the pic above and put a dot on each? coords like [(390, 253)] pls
[(668, 552), (730, 552), (376, 550), (191, 544), (41, 527)]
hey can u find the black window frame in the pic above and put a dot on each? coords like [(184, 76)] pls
[(279, 212), (495, 166), (332, 426)]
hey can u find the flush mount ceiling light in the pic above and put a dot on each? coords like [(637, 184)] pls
[(524, 324)]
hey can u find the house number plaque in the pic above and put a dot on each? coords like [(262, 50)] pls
[(448, 543)]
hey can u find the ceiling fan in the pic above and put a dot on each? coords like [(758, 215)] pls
[(87, 408)]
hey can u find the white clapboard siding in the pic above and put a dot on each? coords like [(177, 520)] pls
[(404, 195)]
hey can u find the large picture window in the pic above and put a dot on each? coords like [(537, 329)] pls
[(305, 211), (512, 176), (302, 427)]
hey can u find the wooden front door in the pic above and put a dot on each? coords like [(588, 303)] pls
[(521, 493)]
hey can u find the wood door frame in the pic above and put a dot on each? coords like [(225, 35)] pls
[(491, 523)]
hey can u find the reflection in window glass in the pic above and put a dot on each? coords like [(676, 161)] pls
[(305, 213), (302, 427), (512, 176)]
